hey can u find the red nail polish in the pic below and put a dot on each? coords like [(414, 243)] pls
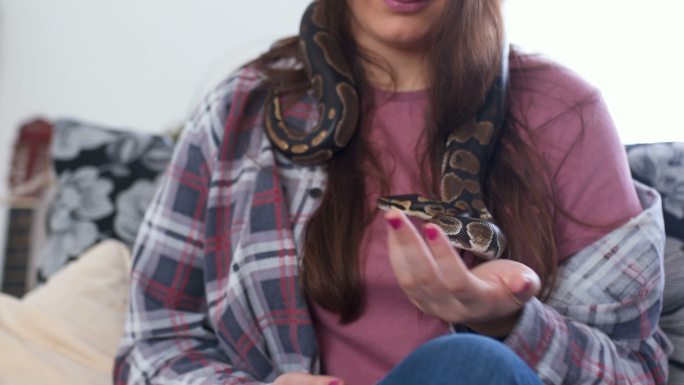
[(334, 382), (430, 232), (527, 285), (394, 222)]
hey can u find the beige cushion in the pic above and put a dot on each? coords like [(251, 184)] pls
[(67, 331)]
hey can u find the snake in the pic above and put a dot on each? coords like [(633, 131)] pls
[(460, 210)]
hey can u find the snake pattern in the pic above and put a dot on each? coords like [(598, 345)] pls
[(460, 211)]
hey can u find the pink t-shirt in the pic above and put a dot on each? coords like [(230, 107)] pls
[(589, 177)]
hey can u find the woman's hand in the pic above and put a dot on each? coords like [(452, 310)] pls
[(300, 378), (487, 298)]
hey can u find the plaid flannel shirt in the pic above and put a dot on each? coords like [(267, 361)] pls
[(215, 297)]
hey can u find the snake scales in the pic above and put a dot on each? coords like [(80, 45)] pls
[(460, 211)]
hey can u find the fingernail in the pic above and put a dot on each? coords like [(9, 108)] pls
[(430, 232), (334, 382), (526, 285), (396, 224)]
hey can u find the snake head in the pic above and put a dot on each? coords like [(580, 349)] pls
[(410, 204), (386, 203)]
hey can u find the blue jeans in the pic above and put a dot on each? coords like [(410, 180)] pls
[(462, 359)]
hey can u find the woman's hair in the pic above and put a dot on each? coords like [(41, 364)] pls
[(464, 59)]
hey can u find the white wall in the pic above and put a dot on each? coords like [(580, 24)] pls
[(141, 64), (144, 64), (633, 50)]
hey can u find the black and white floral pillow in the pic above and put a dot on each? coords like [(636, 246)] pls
[(105, 178), (661, 165)]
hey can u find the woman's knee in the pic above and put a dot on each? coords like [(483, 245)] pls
[(462, 359), (470, 347)]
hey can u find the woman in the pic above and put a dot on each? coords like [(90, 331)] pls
[(264, 258)]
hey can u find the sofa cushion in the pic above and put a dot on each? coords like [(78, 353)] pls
[(68, 330), (105, 179), (661, 165)]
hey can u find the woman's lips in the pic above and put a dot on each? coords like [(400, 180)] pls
[(407, 6)]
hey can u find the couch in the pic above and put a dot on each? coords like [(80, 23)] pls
[(68, 247), (66, 331)]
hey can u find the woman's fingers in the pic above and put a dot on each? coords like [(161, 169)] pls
[(435, 278), (435, 288), (524, 286), (297, 378), (409, 256), (450, 267), (520, 282)]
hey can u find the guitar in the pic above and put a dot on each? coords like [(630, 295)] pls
[(28, 179)]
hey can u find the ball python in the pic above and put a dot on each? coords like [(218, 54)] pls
[(460, 210)]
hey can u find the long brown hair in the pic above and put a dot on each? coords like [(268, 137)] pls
[(464, 59)]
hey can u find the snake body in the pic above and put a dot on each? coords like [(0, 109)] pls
[(460, 211), (333, 86)]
